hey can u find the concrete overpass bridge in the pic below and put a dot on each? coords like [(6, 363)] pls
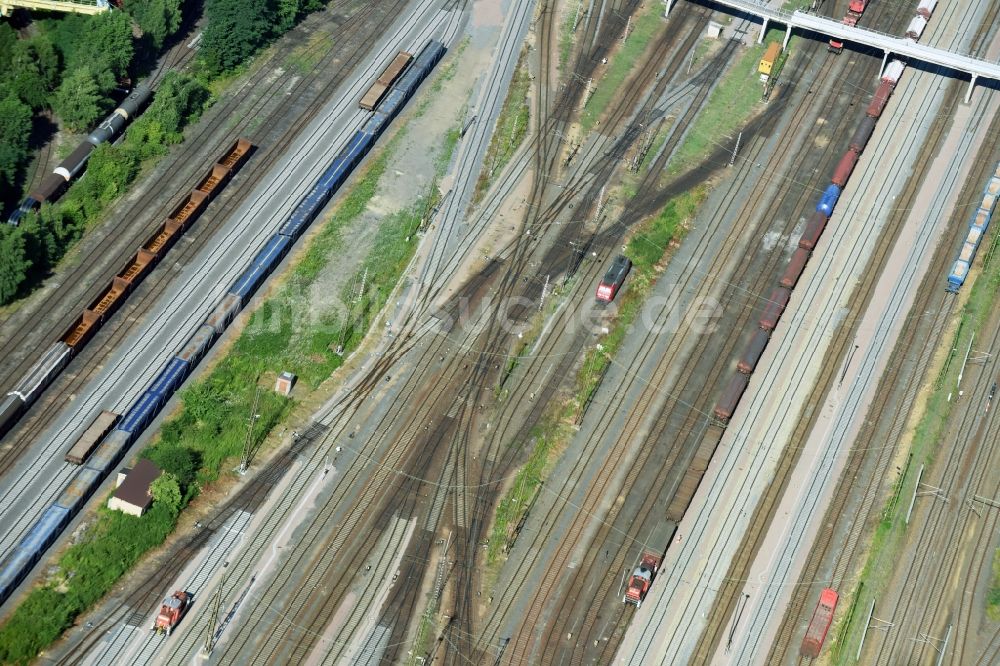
[(976, 68), (76, 6)]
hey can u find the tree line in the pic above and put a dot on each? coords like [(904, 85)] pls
[(68, 71)]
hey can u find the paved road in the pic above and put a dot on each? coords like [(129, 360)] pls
[(666, 630)]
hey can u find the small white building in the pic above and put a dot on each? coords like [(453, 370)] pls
[(132, 495), (286, 381)]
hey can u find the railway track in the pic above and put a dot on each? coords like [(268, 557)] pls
[(118, 329), (211, 136), (868, 454), (582, 575)]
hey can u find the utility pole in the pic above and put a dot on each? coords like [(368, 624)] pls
[(248, 444), (736, 149)]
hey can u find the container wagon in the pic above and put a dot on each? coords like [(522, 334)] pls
[(845, 167), (753, 352), (814, 230), (766, 66), (726, 406), (796, 266), (819, 624), (776, 305), (89, 440)]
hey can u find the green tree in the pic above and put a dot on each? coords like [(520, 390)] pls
[(14, 263), (157, 18), (106, 46), (167, 491), (234, 31), (78, 100), (15, 127), (110, 169), (180, 461), (32, 70)]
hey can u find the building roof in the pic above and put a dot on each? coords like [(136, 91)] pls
[(135, 488)]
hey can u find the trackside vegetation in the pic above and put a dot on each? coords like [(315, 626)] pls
[(57, 83), (648, 246), (512, 127), (29, 252), (649, 243), (889, 540), (203, 440)]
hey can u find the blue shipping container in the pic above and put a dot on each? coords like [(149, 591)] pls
[(248, 282), (334, 176), (168, 380), (110, 451), (44, 531), (80, 488), (15, 568), (141, 413), (829, 200), (272, 252)]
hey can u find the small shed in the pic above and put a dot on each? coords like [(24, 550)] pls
[(286, 381), (132, 495), (714, 30)]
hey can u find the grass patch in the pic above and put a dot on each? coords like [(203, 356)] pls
[(993, 596), (207, 435), (646, 23), (735, 99), (512, 127), (889, 540)]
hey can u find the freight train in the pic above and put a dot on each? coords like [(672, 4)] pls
[(57, 356), (779, 297), (977, 230), (109, 129), (142, 412)]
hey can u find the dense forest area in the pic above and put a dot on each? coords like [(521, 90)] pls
[(65, 72)]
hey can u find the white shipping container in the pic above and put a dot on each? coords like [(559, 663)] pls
[(916, 27), (926, 7), (893, 71)]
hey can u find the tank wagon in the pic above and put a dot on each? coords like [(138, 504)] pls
[(110, 299), (112, 448), (110, 128)]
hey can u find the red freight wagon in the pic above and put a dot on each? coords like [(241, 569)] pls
[(820, 624), (796, 265), (844, 168), (817, 223), (731, 397), (881, 98), (753, 352), (862, 134), (775, 306)]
